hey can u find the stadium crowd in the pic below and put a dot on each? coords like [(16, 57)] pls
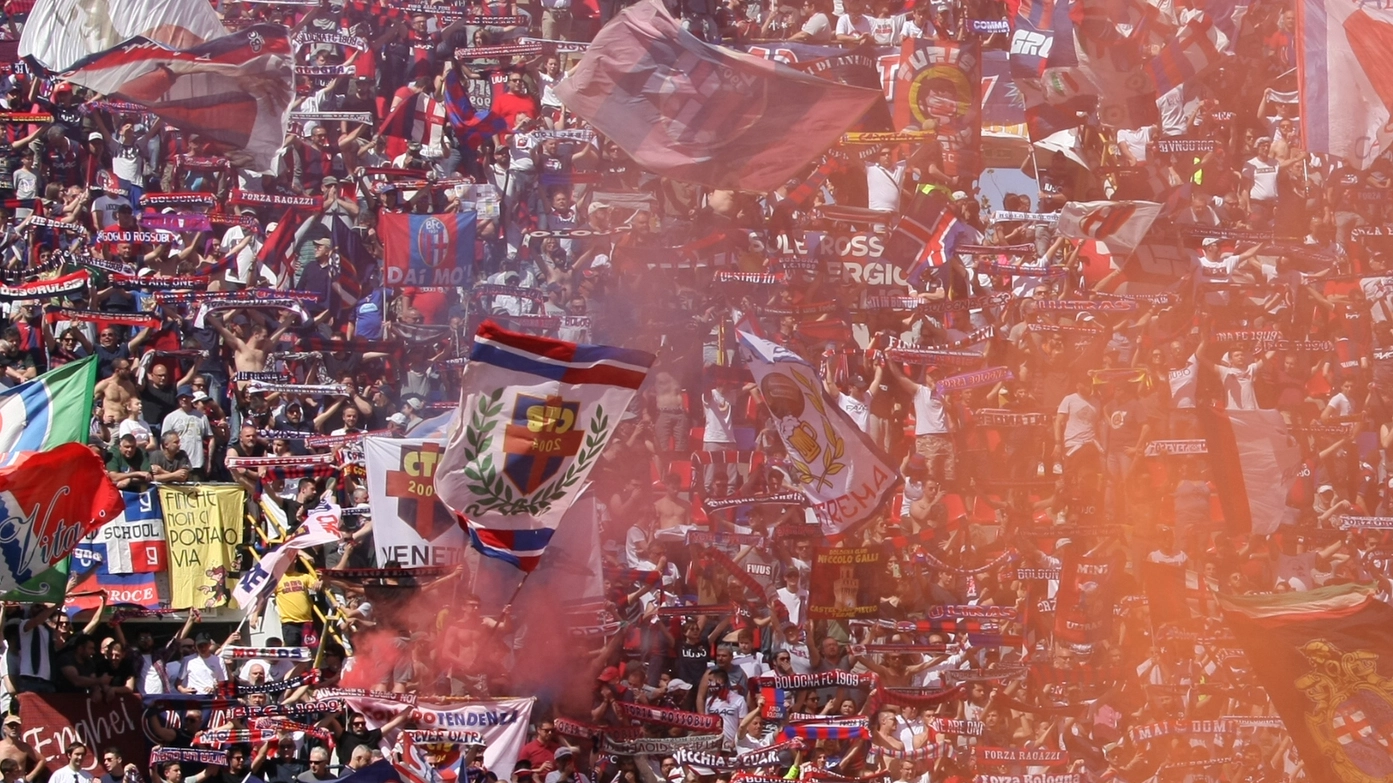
[(1008, 489)]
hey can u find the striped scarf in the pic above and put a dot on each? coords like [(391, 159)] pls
[(302, 710)]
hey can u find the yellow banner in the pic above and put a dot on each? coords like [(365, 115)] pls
[(204, 527)]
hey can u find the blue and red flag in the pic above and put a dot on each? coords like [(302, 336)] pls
[(427, 250), (471, 125), (535, 415)]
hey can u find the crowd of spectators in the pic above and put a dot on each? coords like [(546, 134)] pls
[(993, 508)]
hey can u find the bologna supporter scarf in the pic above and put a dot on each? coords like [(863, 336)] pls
[(669, 717), (827, 731), (761, 757), (576, 728), (985, 754), (302, 710), (42, 289), (195, 755), (662, 746), (232, 689)]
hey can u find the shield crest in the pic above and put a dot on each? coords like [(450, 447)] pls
[(1363, 726), (543, 435)]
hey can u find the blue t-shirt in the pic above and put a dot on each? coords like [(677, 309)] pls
[(368, 321)]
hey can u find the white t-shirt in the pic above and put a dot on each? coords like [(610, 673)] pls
[(126, 162), (930, 417), (1238, 387), (883, 186), (1342, 405), (1135, 142), (1263, 175), (1182, 383), (1082, 425), (818, 28), (861, 25), (720, 426), (245, 259), (731, 708), (136, 429), (857, 410), (203, 674)]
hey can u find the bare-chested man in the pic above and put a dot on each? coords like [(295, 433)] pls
[(13, 746), (117, 390), (250, 344), (669, 508), (672, 424)]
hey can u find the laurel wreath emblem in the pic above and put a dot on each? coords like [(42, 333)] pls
[(493, 492), (836, 446)]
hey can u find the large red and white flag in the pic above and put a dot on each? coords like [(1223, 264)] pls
[(234, 91), (321, 527), (1345, 74), (1122, 224), (701, 113)]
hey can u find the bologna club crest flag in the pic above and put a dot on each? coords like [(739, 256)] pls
[(427, 250), (534, 416), (1326, 659)]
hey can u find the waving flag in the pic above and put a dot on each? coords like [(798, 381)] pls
[(1345, 71), (134, 542), (472, 125), (234, 91), (1185, 56), (1320, 655), (50, 410), (834, 464), (701, 113), (534, 416), (58, 33), (1045, 67), (321, 527), (1255, 461), (52, 500), (419, 118), (940, 89), (1121, 224)]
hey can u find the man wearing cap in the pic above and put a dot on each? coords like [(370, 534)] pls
[(204, 671), (193, 431), (1218, 267), (14, 748), (321, 277), (565, 771)]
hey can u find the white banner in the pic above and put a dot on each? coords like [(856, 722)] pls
[(501, 722), (409, 524), (58, 33), (832, 462)]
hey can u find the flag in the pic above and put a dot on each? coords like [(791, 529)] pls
[(844, 476), (1084, 602), (940, 89), (1254, 461), (472, 125), (278, 252), (92, 576), (380, 771), (927, 235), (234, 91), (859, 67), (1113, 62), (1345, 70), (411, 763), (427, 250), (409, 523), (52, 409), (534, 416), (50, 500), (48, 587), (419, 118), (1320, 656), (1121, 224), (1045, 68), (699, 113), (321, 527), (1185, 56), (58, 33), (134, 542)]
